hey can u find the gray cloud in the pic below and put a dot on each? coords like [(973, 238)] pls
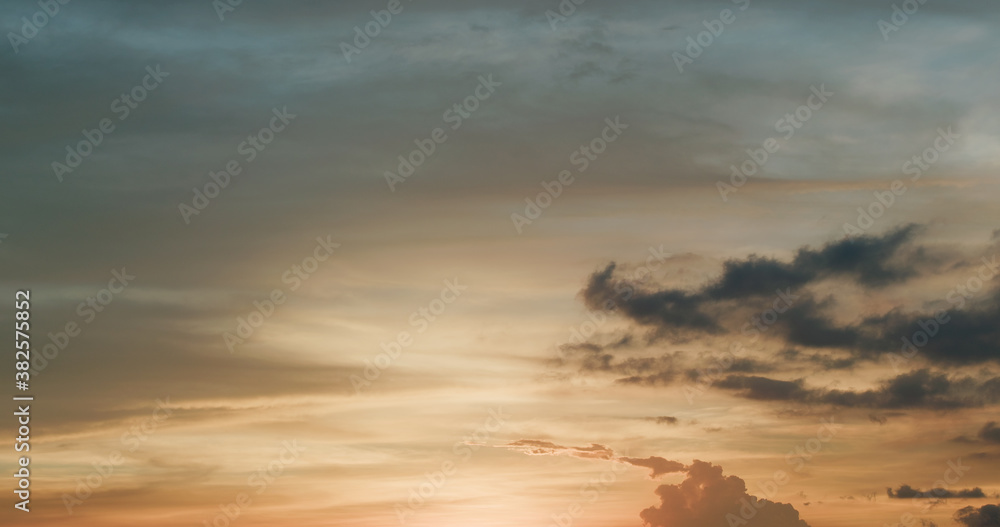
[(917, 389), (968, 334), (866, 260), (990, 432), (906, 492), (985, 516)]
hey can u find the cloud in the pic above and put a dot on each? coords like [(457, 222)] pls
[(664, 420), (706, 498), (763, 388), (662, 377), (825, 361), (870, 261), (967, 336), (867, 260), (668, 309), (807, 324), (880, 419), (906, 491), (864, 259), (964, 334), (990, 432), (534, 447), (650, 371), (985, 516), (919, 388), (658, 465), (739, 365)]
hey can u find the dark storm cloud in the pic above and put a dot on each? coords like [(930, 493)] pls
[(966, 336), (964, 333), (990, 432), (668, 308), (906, 491), (807, 324), (867, 260), (756, 276), (763, 388), (914, 389), (921, 388), (917, 389), (985, 516)]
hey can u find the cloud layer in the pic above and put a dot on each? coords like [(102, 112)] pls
[(706, 498)]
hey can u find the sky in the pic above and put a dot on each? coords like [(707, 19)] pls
[(524, 263)]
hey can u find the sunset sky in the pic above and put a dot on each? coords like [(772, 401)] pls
[(452, 263)]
